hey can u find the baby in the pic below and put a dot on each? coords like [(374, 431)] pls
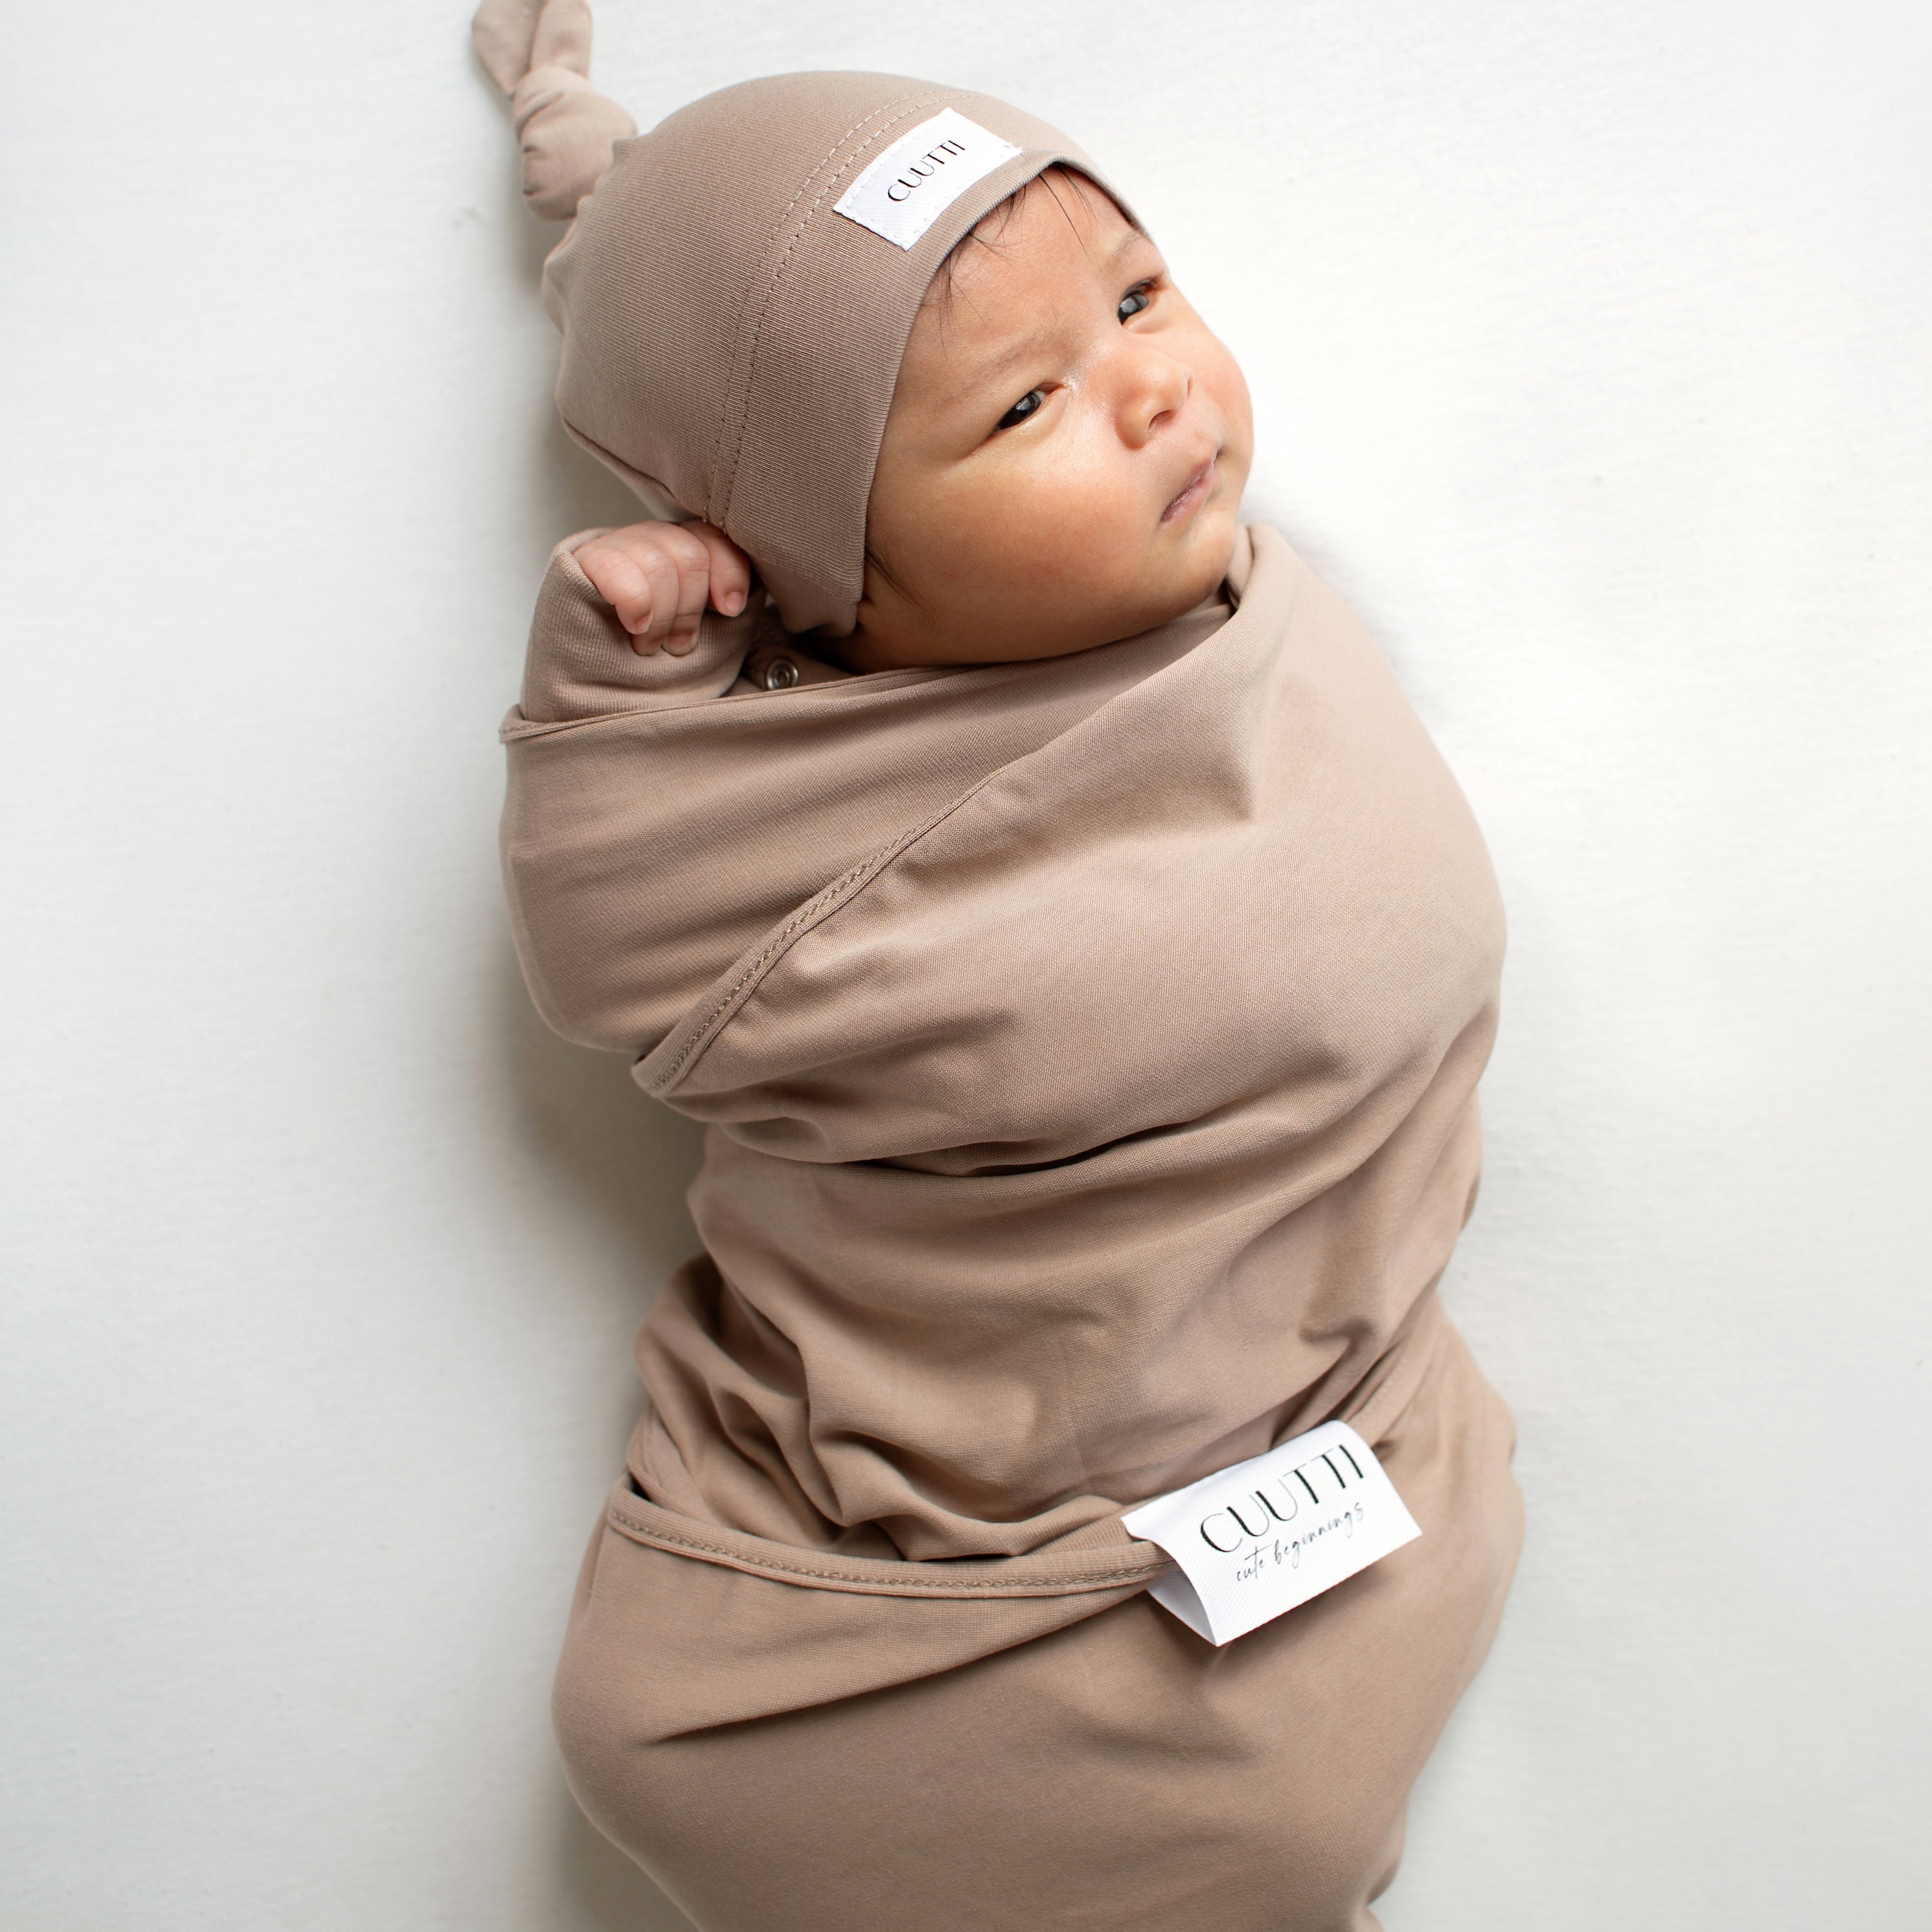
[(1082, 965)]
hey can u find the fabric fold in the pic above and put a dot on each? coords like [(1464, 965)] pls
[(717, 1651)]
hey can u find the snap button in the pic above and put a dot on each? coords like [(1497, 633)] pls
[(781, 674)]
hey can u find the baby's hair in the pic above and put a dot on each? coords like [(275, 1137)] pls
[(991, 226)]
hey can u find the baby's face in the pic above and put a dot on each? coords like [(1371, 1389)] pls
[(1063, 463)]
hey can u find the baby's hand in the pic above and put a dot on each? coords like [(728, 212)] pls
[(658, 577)]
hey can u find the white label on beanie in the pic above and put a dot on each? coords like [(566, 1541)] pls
[(921, 175), (1268, 1533)]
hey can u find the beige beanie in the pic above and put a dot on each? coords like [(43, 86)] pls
[(737, 286)]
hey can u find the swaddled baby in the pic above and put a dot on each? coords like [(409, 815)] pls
[(1082, 965)]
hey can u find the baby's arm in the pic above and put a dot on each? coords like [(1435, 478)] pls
[(680, 595)]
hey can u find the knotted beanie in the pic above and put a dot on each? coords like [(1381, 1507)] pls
[(736, 286)]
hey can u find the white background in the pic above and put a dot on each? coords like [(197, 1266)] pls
[(1589, 346)]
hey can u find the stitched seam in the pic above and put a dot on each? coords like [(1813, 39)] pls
[(860, 874), (739, 390), (935, 1588), (744, 389), (790, 926), (853, 690)]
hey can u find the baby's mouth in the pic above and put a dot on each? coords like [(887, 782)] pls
[(1196, 488)]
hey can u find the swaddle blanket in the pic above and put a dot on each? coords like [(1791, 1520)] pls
[(1086, 1049)]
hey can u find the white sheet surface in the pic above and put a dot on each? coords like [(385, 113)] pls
[(1589, 350)]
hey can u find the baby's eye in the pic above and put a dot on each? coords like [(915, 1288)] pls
[(1027, 405), (1134, 300)]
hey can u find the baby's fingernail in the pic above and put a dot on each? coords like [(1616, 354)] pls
[(734, 602)]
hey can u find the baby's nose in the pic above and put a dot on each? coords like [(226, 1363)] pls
[(1157, 390)]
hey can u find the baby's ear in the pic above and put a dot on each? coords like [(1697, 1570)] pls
[(538, 52)]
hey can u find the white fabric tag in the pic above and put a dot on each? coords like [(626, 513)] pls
[(1257, 1539), (921, 175)]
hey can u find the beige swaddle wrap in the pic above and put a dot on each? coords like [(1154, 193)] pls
[(1087, 1050)]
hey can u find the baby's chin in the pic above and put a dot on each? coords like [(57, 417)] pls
[(1151, 599), (1195, 572), (1156, 588)]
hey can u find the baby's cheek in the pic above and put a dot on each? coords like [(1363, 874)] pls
[(1086, 522), (1229, 387)]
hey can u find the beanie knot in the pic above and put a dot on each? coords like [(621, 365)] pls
[(538, 52)]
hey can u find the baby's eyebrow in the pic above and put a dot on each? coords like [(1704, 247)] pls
[(1021, 350)]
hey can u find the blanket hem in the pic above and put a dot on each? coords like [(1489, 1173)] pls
[(634, 1516), (660, 1070)]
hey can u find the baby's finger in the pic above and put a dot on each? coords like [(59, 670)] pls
[(618, 573), (659, 567), (683, 610), (730, 569)]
